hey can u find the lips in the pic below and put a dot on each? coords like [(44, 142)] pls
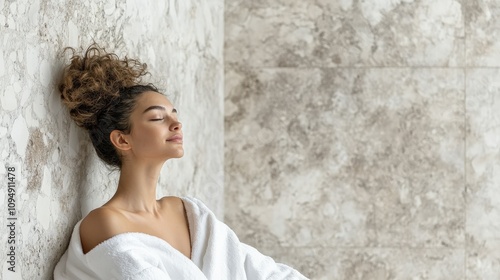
[(175, 138)]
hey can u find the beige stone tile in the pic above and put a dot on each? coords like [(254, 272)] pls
[(482, 29), (483, 259), (344, 33), (288, 170), (483, 173)]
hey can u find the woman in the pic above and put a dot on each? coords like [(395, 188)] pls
[(133, 235)]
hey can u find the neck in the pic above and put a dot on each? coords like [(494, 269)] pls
[(136, 190)]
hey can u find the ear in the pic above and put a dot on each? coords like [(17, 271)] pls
[(119, 140)]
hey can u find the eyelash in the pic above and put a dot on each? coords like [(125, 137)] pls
[(174, 111)]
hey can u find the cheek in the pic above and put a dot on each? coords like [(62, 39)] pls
[(147, 136)]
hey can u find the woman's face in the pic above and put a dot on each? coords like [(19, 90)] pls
[(155, 131)]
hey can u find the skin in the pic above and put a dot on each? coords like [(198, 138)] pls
[(134, 207)]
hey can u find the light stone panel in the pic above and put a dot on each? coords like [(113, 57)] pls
[(340, 33), (345, 157), (61, 178), (482, 26), (483, 173)]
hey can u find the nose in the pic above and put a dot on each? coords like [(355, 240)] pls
[(175, 126)]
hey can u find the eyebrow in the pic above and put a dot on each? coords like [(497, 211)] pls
[(158, 107)]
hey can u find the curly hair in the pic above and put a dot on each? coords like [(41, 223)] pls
[(100, 91)]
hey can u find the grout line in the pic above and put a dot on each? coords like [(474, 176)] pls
[(364, 67), (465, 174), (465, 145)]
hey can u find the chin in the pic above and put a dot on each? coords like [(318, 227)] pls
[(178, 154)]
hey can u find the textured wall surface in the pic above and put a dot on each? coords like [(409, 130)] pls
[(59, 176), (362, 137)]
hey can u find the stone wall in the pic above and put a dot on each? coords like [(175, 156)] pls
[(59, 178), (362, 137)]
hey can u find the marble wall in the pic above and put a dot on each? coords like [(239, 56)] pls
[(59, 178), (363, 137)]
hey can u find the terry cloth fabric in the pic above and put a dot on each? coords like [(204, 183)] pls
[(216, 254)]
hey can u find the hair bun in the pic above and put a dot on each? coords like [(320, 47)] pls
[(92, 82)]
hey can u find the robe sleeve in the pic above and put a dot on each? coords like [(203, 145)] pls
[(259, 266), (220, 254)]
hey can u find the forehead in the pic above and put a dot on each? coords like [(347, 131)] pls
[(150, 98)]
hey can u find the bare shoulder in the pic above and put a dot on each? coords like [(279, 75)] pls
[(172, 203), (99, 225)]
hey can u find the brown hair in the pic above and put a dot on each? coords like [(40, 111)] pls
[(100, 91)]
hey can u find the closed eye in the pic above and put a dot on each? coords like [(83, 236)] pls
[(159, 108)]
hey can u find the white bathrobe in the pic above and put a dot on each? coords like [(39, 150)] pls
[(216, 254)]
